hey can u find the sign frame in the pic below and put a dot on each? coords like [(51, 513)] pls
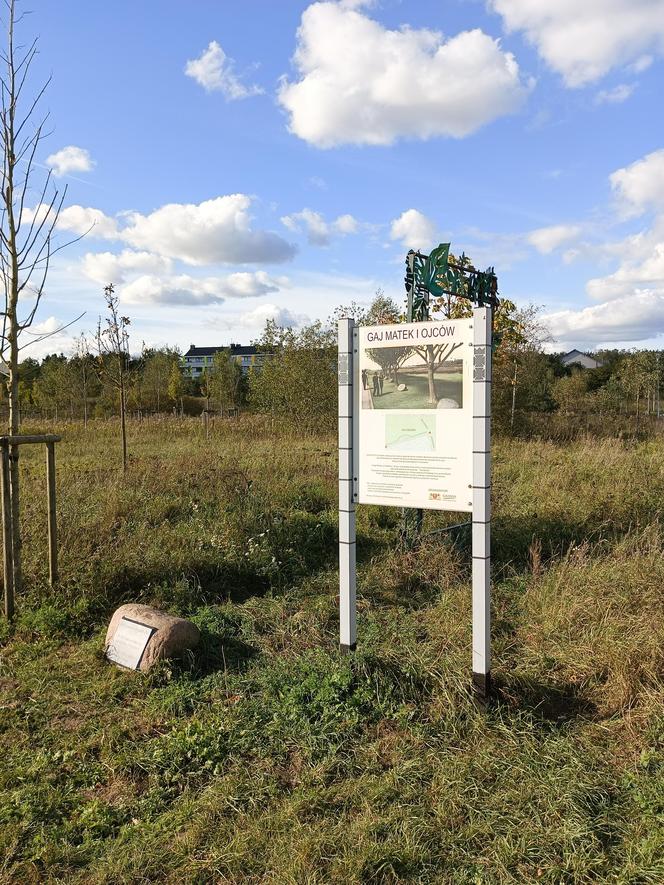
[(349, 387), (389, 441)]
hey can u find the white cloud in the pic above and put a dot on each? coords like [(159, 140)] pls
[(251, 285), (78, 220), (214, 71), (631, 299), (583, 41), (414, 230), (640, 186), (70, 159), (570, 255), (319, 232), (641, 265), (361, 83), (85, 220), (59, 340), (215, 231), (546, 239), (634, 317), (346, 224), (641, 64), (282, 316), (186, 289), (617, 95), (317, 229), (211, 232), (110, 267), (37, 214)]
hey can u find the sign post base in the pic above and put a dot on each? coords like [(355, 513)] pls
[(482, 686)]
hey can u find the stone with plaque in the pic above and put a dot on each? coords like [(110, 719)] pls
[(140, 635)]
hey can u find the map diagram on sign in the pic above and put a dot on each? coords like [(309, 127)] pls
[(410, 433)]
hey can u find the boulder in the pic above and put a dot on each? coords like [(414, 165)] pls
[(446, 403), (139, 635)]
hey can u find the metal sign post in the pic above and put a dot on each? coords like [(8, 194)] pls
[(481, 528), (347, 613), (429, 455)]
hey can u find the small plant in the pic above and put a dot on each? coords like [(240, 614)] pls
[(112, 342)]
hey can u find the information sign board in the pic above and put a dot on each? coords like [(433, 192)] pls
[(415, 431), (128, 644), (414, 407)]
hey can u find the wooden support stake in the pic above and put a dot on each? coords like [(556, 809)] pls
[(7, 548), (52, 520)]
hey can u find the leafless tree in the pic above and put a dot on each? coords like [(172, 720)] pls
[(26, 232), (112, 342), (83, 360)]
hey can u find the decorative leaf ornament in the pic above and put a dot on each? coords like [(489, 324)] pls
[(435, 275)]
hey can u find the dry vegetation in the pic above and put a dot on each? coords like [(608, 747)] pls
[(270, 758)]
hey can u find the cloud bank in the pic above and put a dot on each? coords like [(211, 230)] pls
[(361, 83), (583, 41)]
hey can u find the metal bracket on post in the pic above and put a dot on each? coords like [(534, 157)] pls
[(481, 527), (347, 555)]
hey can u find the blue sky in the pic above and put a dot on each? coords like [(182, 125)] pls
[(276, 159)]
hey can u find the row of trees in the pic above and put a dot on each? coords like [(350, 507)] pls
[(85, 385), (626, 383), (89, 384), (298, 382)]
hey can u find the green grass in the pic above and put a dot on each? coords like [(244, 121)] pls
[(416, 395), (269, 757)]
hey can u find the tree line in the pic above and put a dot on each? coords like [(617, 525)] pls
[(82, 385), (533, 390)]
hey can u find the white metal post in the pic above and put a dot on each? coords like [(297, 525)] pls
[(481, 540), (347, 602)]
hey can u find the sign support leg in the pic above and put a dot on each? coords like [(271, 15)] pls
[(481, 528), (347, 558)]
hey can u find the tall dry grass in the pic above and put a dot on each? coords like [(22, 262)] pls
[(270, 758)]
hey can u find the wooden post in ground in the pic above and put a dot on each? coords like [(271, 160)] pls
[(7, 548), (9, 446), (52, 520)]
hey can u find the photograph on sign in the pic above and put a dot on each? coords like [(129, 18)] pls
[(403, 378), (415, 417), (128, 644)]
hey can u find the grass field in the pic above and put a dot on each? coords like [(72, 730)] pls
[(267, 757)]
